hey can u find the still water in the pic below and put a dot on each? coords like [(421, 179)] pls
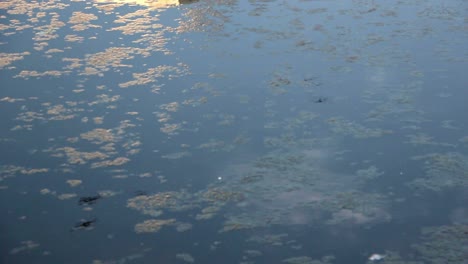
[(234, 131)]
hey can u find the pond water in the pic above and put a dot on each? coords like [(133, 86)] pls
[(234, 131)]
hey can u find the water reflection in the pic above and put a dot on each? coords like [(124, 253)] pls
[(152, 4), (257, 130)]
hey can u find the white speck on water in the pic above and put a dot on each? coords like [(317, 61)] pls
[(376, 257)]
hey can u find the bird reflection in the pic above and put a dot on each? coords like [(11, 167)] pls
[(84, 225)]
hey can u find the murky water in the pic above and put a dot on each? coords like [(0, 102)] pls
[(311, 132)]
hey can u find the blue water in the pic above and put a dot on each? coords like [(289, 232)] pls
[(249, 131)]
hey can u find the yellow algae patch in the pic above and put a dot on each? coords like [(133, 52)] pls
[(34, 171), (138, 22), (98, 136), (153, 204), (82, 21), (253, 253), (55, 110), (151, 4), (73, 38), (104, 98), (49, 51), (309, 260), (270, 239), (227, 120), (176, 155), (221, 195), (182, 227), (232, 226), (213, 145), (107, 193), (163, 117), (26, 74), (59, 112), (171, 107), (66, 196), (208, 213), (18, 127), (76, 157), (74, 63), (91, 71), (74, 183), (152, 226), (170, 129), (152, 74), (424, 139), (45, 191), (11, 100), (120, 176), (116, 162), (145, 175), (8, 58), (98, 120), (109, 148), (30, 116), (113, 56), (346, 127), (132, 147)]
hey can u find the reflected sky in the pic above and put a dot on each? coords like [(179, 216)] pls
[(233, 131)]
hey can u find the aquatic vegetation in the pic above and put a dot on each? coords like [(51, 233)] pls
[(74, 182), (152, 225), (342, 126), (442, 171), (177, 155), (8, 58), (99, 136), (26, 245), (66, 196), (155, 204), (171, 129), (309, 260), (183, 227), (245, 123), (119, 161), (370, 173), (443, 244)]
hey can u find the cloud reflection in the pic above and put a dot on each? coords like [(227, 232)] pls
[(148, 3)]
